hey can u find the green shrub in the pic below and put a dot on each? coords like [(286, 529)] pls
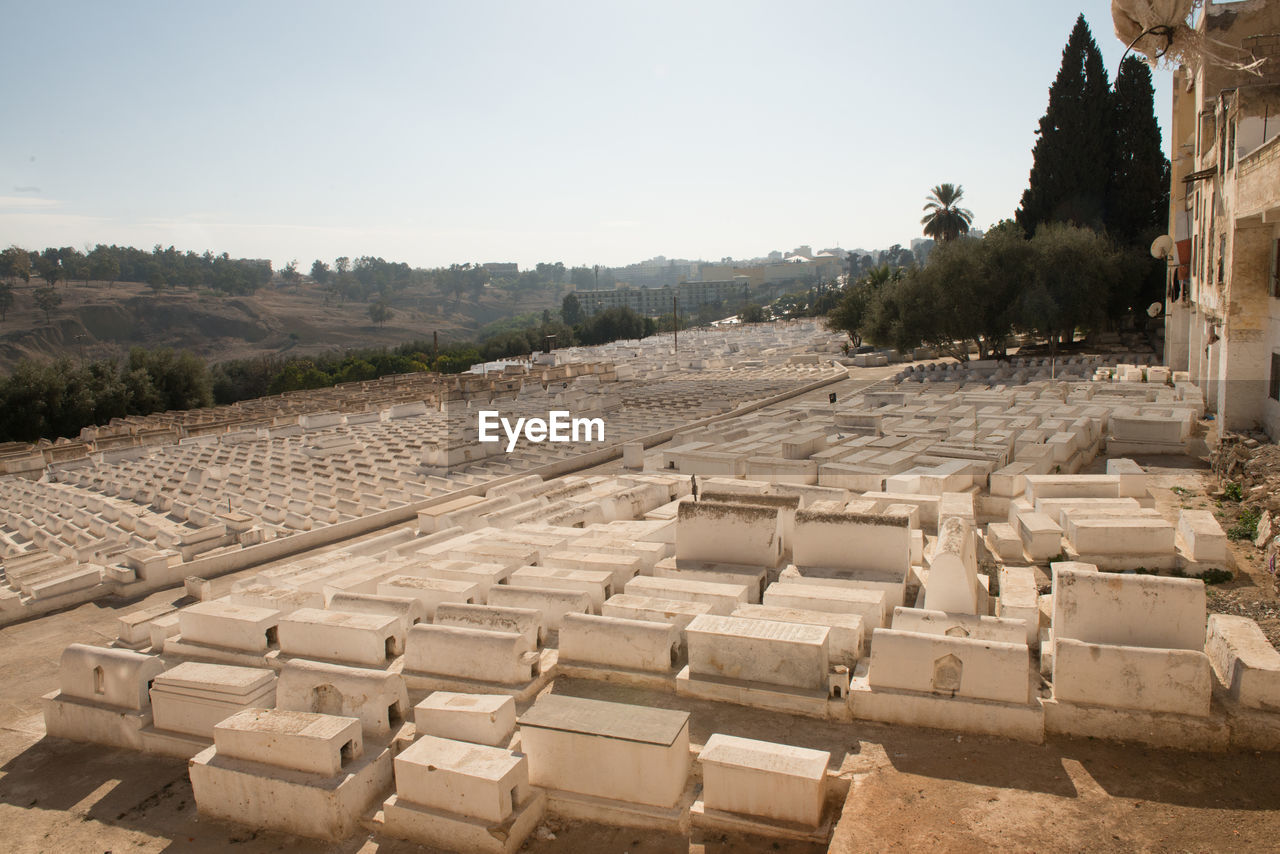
[(1232, 492), (1246, 526)]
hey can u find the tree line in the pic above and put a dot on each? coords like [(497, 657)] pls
[(1075, 255), (365, 278), (52, 399), (159, 268), (976, 294)]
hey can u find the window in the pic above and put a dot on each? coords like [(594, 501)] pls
[(1231, 146), (1222, 150), (1274, 288), (1273, 390), (1205, 252)]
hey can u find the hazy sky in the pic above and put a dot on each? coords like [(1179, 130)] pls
[(593, 132)]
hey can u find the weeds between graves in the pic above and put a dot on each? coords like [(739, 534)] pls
[(1246, 525)]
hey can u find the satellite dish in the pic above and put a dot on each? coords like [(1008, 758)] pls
[(1162, 246), (1154, 309)]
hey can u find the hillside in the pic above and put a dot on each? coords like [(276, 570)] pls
[(99, 320)]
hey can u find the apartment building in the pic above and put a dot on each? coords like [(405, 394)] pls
[(1222, 321)]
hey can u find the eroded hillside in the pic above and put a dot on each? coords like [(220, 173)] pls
[(98, 320)]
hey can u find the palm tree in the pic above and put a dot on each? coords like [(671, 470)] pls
[(945, 220)]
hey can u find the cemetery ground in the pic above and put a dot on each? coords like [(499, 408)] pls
[(908, 789)]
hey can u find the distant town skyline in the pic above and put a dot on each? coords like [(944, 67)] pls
[(577, 132)]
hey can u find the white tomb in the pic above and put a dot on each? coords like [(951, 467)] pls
[(751, 577), (1131, 677), (616, 643), (1134, 610), (576, 747), (103, 696), (469, 656), (221, 624), (1019, 599), (368, 640), (483, 575), (1202, 536), (409, 612), (550, 602), (479, 718), (297, 772), (791, 655), (1133, 478), (677, 612), (721, 598), (728, 533), (959, 625), (462, 797), (1041, 536), (780, 790), (869, 547), (848, 631), (621, 566), (431, 592), (377, 698), (953, 585), (1245, 661), (597, 584), (821, 594), (526, 622), (950, 666), (1130, 642), (191, 698)]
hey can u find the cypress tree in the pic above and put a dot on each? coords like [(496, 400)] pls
[(1138, 202), (1072, 158), (1138, 199)]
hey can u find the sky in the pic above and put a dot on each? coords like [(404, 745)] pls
[(587, 133)]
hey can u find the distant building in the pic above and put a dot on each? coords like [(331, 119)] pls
[(502, 268), (657, 272), (921, 247), (655, 302), (1222, 309)]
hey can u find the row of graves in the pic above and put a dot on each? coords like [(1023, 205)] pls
[(139, 518), (406, 684), (900, 437), (1018, 370)]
